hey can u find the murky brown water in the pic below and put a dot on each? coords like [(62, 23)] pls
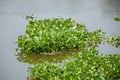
[(95, 14)]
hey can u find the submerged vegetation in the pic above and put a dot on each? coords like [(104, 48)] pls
[(56, 34), (86, 65), (40, 58)]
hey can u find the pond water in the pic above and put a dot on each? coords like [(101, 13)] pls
[(95, 14)]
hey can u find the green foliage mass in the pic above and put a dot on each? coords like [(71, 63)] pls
[(56, 34), (86, 65), (114, 41)]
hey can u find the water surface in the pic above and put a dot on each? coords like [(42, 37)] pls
[(95, 14)]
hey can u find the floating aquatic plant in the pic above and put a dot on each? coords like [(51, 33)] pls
[(56, 34), (86, 65), (117, 18), (46, 36), (114, 41)]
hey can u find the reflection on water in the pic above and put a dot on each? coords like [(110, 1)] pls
[(39, 58)]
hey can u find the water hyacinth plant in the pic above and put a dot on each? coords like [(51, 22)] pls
[(117, 18), (114, 41), (86, 65), (56, 34)]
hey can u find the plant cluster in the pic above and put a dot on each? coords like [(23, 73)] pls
[(114, 41), (117, 18), (86, 65), (56, 34)]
